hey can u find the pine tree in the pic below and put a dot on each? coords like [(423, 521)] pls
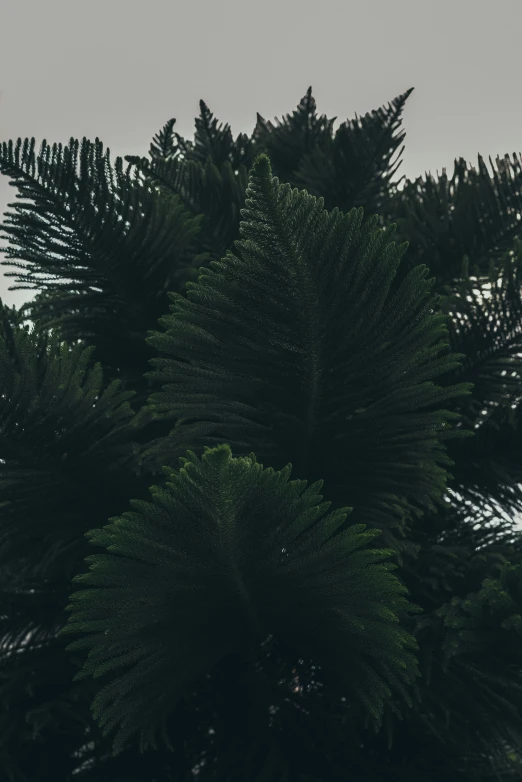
[(259, 470)]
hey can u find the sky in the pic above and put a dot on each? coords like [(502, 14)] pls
[(119, 69)]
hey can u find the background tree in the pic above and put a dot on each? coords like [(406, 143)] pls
[(77, 449)]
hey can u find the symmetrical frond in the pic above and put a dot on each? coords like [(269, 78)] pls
[(225, 555), (296, 351)]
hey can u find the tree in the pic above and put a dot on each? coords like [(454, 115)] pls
[(259, 464)]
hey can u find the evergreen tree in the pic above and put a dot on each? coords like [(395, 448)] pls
[(259, 468)]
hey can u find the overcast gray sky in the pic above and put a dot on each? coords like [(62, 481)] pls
[(119, 69)]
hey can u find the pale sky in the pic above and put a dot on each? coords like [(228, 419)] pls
[(119, 69)]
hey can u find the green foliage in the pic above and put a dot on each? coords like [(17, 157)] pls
[(352, 165), (256, 635), (473, 214), (67, 447), (65, 441), (319, 285), (227, 554), (307, 276), (88, 213)]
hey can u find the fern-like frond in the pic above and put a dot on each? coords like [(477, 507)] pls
[(297, 351), (112, 246), (217, 143), (210, 176), (214, 191), (296, 136), (477, 640), (352, 167), (485, 326), (226, 554), (165, 145), (475, 214), (66, 448)]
